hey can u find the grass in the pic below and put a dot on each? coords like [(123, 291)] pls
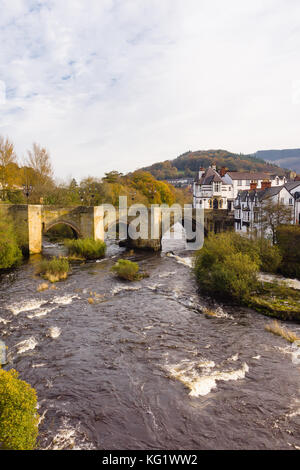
[(43, 286), (128, 270), (276, 300), (278, 330), (86, 248), (54, 270)]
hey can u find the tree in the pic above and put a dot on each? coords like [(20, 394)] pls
[(8, 165), (39, 173), (39, 160), (274, 213)]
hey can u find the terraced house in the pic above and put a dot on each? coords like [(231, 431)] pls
[(249, 206)]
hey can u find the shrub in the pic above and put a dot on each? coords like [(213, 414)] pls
[(221, 269), (54, 270), (288, 239), (18, 416), (126, 269), (87, 248), (270, 256), (10, 253)]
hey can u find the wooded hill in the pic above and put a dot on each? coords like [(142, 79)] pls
[(187, 164)]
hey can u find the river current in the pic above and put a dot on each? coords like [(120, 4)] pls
[(140, 366)]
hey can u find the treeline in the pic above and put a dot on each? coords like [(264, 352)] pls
[(32, 181), (188, 164)]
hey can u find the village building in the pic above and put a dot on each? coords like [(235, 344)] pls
[(218, 189), (294, 188), (248, 209)]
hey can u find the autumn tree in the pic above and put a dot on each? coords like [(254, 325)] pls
[(8, 166)]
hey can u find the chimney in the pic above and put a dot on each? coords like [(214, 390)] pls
[(223, 171), (201, 172), (265, 184), (253, 186)]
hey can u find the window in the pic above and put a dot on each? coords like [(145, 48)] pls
[(221, 203), (255, 216), (291, 201), (240, 182), (217, 187)]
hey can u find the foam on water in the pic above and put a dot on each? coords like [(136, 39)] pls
[(201, 382), (293, 351), (54, 332), (41, 313), (188, 261), (26, 345), (120, 288), (69, 437), (4, 321), (26, 305), (65, 299)]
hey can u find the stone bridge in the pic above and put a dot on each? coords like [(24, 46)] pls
[(32, 221)]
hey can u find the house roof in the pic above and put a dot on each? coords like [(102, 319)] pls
[(292, 185), (211, 176), (260, 193), (244, 175)]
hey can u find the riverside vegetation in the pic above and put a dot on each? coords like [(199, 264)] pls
[(228, 265), (86, 248), (18, 415), (126, 269), (54, 270)]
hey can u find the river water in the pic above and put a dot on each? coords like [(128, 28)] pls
[(142, 367)]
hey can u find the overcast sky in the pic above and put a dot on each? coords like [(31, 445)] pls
[(119, 84)]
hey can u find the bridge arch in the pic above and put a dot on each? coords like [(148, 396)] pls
[(74, 228)]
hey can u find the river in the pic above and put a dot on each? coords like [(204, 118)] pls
[(142, 367)]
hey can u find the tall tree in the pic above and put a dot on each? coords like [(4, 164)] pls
[(8, 165), (39, 160)]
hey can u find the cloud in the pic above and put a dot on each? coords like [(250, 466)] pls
[(121, 84)]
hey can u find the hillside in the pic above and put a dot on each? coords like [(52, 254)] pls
[(189, 163), (289, 158)]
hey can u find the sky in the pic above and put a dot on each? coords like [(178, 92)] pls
[(120, 84)]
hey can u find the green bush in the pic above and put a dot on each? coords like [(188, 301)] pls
[(270, 255), (288, 239), (223, 270), (10, 253), (54, 270), (87, 248), (18, 415), (126, 269)]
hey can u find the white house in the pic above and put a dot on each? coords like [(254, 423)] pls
[(294, 188), (211, 191), (248, 206), (241, 180)]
